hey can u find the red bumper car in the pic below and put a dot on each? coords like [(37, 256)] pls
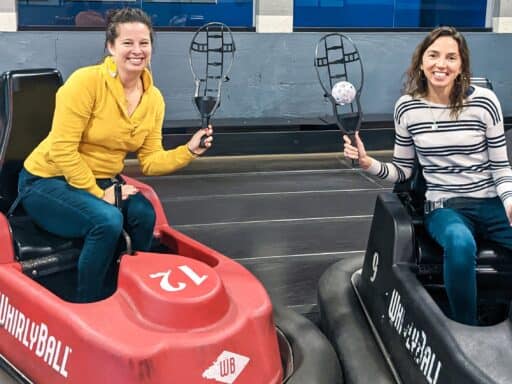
[(182, 313)]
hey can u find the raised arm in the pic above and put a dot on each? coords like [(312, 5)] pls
[(153, 158), (401, 166)]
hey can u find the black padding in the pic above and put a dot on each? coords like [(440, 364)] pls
[(412, 191), (314, 359), (47, 265), (345, 324), (429, 252), (27, 103), (32, 242)]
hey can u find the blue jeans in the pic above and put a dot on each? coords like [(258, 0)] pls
[(69, 212), (455, 228)]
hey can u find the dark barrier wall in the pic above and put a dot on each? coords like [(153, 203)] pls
[(273, 74)]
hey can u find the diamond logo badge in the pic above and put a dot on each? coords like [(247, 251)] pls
[(226, 368)]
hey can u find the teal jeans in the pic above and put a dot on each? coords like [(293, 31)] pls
[(455, 228)]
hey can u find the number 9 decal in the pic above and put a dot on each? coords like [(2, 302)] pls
[(375, 266)]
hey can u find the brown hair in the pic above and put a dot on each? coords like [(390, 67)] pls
[(125, 15), (416, 82)]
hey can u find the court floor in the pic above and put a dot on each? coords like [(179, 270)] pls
[(286, 218)]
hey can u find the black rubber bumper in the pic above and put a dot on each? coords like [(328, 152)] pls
[(344, 323), (314, 359)]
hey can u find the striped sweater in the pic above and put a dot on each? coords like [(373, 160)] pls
[(463, 157)]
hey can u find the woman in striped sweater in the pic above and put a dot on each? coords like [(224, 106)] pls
[(456, 131)]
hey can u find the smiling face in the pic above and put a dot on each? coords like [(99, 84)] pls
[(441, 63), (131, 49)]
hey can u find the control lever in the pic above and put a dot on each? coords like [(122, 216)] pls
[(118, 200)]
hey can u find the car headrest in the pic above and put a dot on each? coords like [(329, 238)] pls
[(27, 103)]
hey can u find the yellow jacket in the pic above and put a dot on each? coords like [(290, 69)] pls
[(92, 133)]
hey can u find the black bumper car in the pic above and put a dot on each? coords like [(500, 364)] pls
[(386, 315)]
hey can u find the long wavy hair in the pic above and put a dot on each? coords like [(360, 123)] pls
[(416, 83)]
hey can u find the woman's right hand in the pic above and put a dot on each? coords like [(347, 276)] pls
[(508, 211), (194, 144), (357, 151), (126, 191)]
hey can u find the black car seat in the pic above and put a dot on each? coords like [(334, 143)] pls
[(27, 103)]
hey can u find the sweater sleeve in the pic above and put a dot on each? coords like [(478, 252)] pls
[(154, 160), (73, 108), (400, 168), (497, 147)]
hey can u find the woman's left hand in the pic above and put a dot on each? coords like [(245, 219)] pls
[(194, 142)]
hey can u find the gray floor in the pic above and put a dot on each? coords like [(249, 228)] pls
[(5, 378), (286, 218)]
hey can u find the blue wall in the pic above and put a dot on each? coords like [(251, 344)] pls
[(273, 74)]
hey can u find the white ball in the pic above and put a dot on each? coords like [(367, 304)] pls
[(343, 92)]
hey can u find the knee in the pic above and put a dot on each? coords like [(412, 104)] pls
[(148, 217), (142, 213), (111, 222), (460, 247), (459, 237)]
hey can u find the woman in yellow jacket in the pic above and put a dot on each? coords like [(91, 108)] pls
[(103, 112)]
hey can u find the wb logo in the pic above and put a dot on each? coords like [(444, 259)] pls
[(226, 368)]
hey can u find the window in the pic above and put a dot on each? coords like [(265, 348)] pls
[(389, 13), (308, 14), (70, 14)]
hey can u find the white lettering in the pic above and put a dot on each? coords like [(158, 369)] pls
[(34, 333), (50, 350), (196, 279), (25, 332), (4, 301), (430, 379), (41, 343), (11, 318), (396, 312), (436, 376), (421, 348), (166, 285), (19, 327), (375, 266), (399, 321), (67, 352), (392, 306), (56, 356), (425, 360), (34, 336), (414, 339)]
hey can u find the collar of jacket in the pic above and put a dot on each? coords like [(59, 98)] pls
[(114, 83)]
